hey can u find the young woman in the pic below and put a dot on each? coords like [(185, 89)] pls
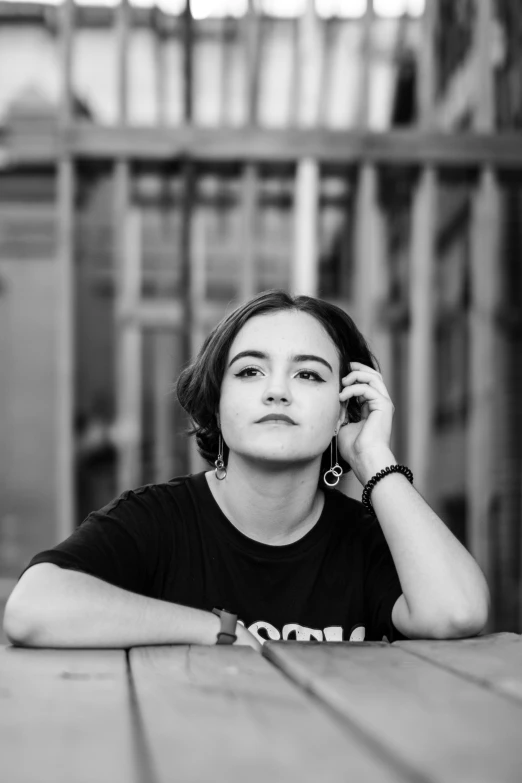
[(284, 397)]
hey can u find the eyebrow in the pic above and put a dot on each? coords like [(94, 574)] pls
[(301, 357)]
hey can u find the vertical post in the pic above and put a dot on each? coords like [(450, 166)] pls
[(249, 176), (159, 51), (252, 44), (304, 272), (65, 493), (485, 367), (163, 348), (122, 49), (304, 277), (371, 272), (129, 357), (127, 244), (249, 211), (422, 259)]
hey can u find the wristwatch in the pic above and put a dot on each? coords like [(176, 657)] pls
[(227, 633)]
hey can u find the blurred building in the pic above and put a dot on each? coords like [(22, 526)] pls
[(159, 166)]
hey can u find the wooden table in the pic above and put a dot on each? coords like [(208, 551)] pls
[(415, 711)]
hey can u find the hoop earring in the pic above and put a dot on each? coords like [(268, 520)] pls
[(336, 470), (221, 469)]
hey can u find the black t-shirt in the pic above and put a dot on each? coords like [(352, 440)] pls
[(172, 541)]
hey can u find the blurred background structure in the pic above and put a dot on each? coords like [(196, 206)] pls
[(159, 164)]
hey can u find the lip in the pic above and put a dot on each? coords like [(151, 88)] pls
[(276, 417)]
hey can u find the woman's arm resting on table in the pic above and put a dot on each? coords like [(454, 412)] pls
[(445, 593), (56, 607)]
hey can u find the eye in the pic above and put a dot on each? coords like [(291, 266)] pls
[(243, 373), (314, 376)]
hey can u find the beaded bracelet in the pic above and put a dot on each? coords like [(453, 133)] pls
[(373, 481)]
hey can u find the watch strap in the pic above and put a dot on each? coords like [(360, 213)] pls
[(227, 633)]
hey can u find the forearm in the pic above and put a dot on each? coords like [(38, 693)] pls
[(441, 582), (72, 609)]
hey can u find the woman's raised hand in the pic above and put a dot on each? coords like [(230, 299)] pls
[(357, 440)]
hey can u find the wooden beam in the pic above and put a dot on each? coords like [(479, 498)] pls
[(160, 62), (252, 47), (123, 13), (247, 272), (363, 112), (422, 263), (188, 80), (485, 459), (485, 453), (304, 275), (304, 272), (128, 335), (163, 425), (26, 146), (310, 46), (65, 323), (251, 38)]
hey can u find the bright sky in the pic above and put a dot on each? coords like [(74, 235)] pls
[(201, 9)]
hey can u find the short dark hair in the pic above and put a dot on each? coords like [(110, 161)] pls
[(199, 385)]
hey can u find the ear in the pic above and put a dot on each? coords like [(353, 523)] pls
[(343, 415)]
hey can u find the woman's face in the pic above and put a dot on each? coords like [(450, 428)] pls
[(281, 363)]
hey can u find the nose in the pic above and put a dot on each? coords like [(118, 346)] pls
[(277, 390)]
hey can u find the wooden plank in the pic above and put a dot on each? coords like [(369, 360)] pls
[(198, 276), (169, 313), (304, 273), (247, 272), (252, 47), (122, 19), (371, 273), (160, 62), (224, 713), (425, 83), (363, 109), (65, 338), (493, 661), (65, 320), (27, 146), (484, 458), (485, 84), (128, 337), (484, 441), (422, 271), (65, 715), (66, 29), (421, 345), (309, 67), (188, 80), (440, 726), (304, 278), (164, 376)]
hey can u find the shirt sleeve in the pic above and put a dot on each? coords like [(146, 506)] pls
[(382, 587), (123, 543)]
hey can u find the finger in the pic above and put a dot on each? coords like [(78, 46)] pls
[(366, 367), (358, 377), (362, 390)]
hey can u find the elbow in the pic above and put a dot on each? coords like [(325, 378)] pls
[(461, 624), (17, 627), (466, 623), (471, 622)]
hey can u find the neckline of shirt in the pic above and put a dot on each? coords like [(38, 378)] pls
[(244, 542)]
